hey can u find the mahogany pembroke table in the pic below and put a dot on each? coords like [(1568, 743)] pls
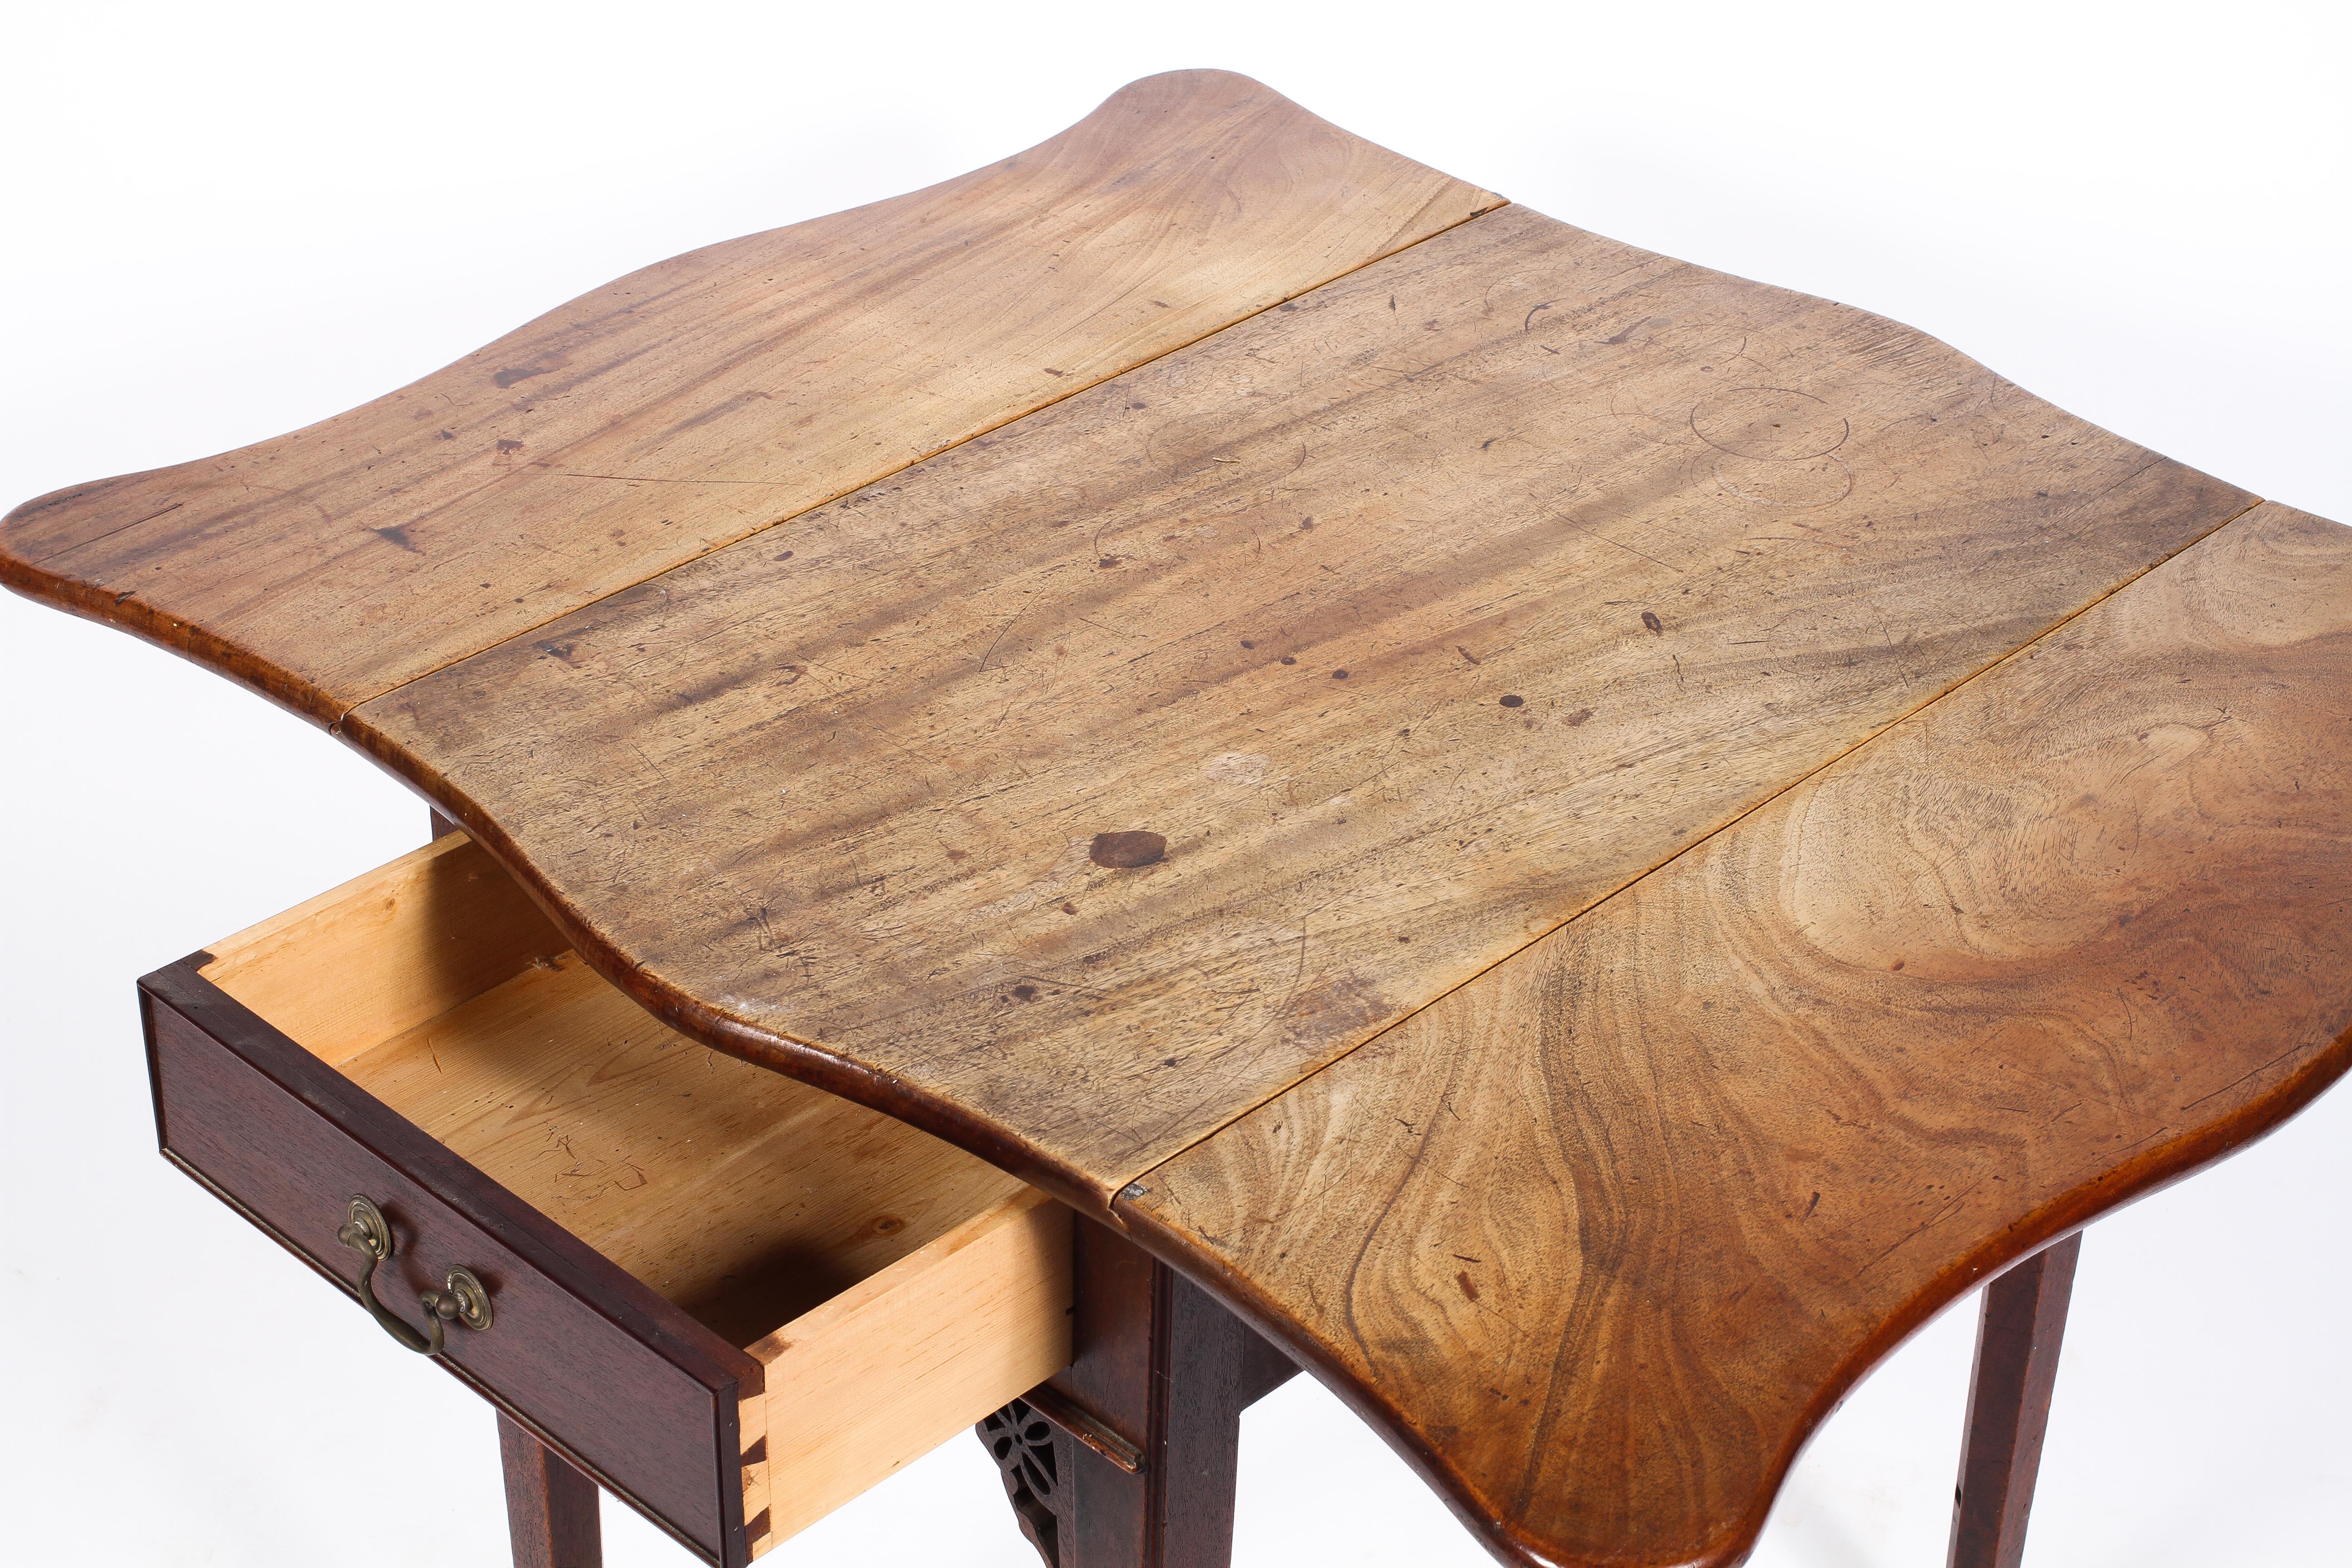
[(1207, 750)]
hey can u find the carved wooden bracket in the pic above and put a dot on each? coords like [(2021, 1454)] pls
[(1023, 1442)]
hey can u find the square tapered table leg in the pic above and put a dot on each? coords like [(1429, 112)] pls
[(2018, 1337), (552, 1508)]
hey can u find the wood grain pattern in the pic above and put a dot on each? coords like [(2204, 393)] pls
[(916, 1286), (435, 985), (708, 396), (743, 1196), (899, 1363), (1091, 791), (1602, 1236), (1084, 787), (387, 950)]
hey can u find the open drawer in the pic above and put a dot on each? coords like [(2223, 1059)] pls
[(735, 1301)]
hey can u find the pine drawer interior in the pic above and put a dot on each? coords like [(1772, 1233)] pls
[(894, 1289)]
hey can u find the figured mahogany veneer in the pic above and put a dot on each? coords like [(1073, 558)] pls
[(1586, 840), (1400, 626), (1672, 1179)]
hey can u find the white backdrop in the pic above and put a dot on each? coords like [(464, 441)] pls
[(225, 222)]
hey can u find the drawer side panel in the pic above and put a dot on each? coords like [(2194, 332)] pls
[(895, 1365)]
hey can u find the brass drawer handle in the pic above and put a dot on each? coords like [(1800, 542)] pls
[(465, 1301)]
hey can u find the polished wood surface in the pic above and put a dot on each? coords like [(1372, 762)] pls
[(1583, 841), (711, 396), (1079, 789), (1602, 1236), (2020, 1329)]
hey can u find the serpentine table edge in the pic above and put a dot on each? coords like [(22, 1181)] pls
[(1399, 462)]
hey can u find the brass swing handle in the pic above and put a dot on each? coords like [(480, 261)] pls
[(465, 1301)]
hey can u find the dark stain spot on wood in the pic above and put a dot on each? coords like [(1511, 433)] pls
[(1025, 994), (398, 534), (1246, 643), (1345, 1006), (505, 446), (1339, 675), (1579, 716), (1051, 371), (1896, 964), (1110, 560), (1465, 653), (1069, 908), (508, 376), (1514, 701), (448, 435), (1650, 619), (1061, 650), (563, 650), (787, 555), (1404, 939), (1812, 1205), (1461, 1278), (1169, 1062), (957, 854), (1287, 659), (888, 1224), (1127, 848), (1306, 522)]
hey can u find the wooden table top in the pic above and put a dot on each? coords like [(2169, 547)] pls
[(1587, 841)]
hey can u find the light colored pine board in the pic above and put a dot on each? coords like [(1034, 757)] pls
[(742, 1196), (893, 1367), (748, 1198), (387, 950), (706, 398), (1415, 616), (1604, 1233)]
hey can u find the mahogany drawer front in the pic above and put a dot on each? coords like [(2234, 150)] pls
[(641, 1395), (685, 1257)]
